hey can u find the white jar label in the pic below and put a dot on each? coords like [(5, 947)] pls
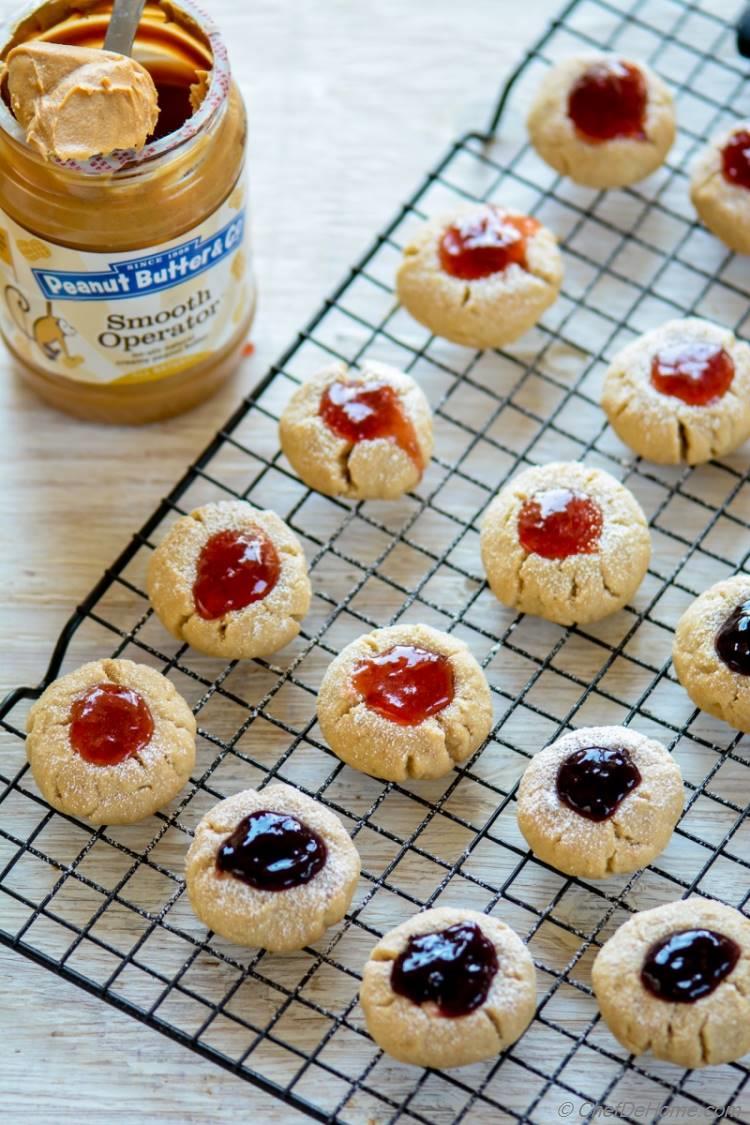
[(128, 317)]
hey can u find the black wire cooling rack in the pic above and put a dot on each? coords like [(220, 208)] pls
[(106, 908)]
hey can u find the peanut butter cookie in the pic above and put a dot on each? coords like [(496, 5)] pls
[(720, 186), (711, 652), (681, 393), (480, 276), (565, 542), (111, 742), (603, 121), (675, 980), (448, 988), (364, 434), (230, 580), (406, 701), (600, 801), (271, 869)]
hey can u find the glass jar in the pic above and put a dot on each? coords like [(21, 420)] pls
[(126, 293)]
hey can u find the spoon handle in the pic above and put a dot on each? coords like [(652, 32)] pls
[(123, 24), (743, 32)]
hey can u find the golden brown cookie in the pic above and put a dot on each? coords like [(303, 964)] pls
[(720, 186), (364, 434), (600, 801), (680, 393), (675, 981), (481, 275), (230, 580), (603, 121), (448, 988), (271, 869), (111, 742), (566, 542), (711, 651), (406, 701)]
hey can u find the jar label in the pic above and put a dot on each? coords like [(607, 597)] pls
[(128, 317)]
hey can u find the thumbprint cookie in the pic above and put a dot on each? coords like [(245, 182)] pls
[(230, 580), (675, 980), (407, 701), (601, 120), (566, 542), (481, 276), (600, 801), (363, 434), (711, 652), (448, 988), (720, 187), (681, 393), (111, 742), (271, 868)]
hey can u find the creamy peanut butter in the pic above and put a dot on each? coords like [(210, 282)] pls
[(77, 102)]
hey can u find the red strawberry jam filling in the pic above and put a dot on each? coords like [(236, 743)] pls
[(405, 684), (486, 243), (697, 373), (558, 523), (735, 159), (609, 101), (234, 569), (367, 411), (110, 723)]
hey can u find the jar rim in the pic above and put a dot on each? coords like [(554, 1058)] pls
[(215, 96)]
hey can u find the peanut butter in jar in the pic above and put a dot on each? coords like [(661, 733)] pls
[(125, 291)]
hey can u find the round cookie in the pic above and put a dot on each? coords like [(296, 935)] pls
[(600, 801), (403, 702), (480, 276), (680, 393), (720, 186), (450, 1011), (272, 869), (653, 958), (111, 742), (566, 542), (603, 121), (711, 651), (363, 434), (230, 580)]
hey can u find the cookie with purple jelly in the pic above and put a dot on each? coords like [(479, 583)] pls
[(271, 869), (448, 988), (675, 980), (600, 801)]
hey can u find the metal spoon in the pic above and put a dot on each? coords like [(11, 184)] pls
[(123, 25)]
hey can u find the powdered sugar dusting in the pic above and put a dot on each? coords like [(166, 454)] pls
[(271, 919), (370, 742), (637, 831), (368, 469), (581, 587), (134, 787), (662, 427), (417, 1033)]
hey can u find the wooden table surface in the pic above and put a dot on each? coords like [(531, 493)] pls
[(349, 103)]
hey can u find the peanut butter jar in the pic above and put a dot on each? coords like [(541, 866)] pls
[(126, 294)]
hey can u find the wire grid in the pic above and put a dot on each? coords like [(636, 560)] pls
[(106, 908)]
